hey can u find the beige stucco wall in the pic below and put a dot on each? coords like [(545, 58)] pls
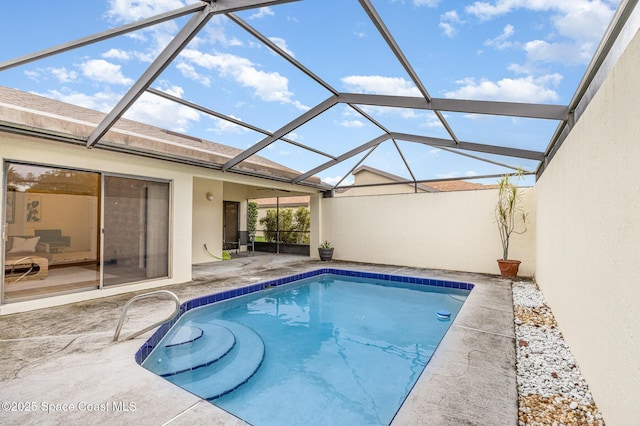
[(27, 149), (195, 220), (207, 220), (445, 230), (588, 241)]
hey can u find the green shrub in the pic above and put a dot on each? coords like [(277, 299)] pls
[(293, 227), (252, 216)]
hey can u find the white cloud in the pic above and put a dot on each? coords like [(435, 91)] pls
[(376, 84), (451, 16), (352, 123), (148, 108), (32, 75), (133, 10), (101, 101), (268, 86), (502, 42), (63, 75), (334, 180), (403, 113), (448, 29), (104, 72), (162, 112), (428, 3), (282, 44), (262, 12), (226, 127), (432, 121), (525, 89), (215, 33), (526, 69), (485, 10), (565, 53), (188, 71), (582, 22), (447, 21), (155, 37), (295, 136), (117, 54)]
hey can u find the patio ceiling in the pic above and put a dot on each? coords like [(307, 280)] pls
[(513, 152)]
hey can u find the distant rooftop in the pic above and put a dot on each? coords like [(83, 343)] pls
[(431, 186)]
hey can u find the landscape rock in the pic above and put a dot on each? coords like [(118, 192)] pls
[(551, 390)]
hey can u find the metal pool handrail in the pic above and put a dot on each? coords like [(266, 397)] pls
[(143, 296)]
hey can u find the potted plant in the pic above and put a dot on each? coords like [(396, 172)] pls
[(325, 251), (511, 218)]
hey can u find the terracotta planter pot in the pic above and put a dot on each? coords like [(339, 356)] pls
[(508, 268), (325, 254)]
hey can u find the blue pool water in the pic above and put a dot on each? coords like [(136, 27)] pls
[(326, 350)]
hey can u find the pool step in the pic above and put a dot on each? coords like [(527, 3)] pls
[(190, 347), (214, 379)]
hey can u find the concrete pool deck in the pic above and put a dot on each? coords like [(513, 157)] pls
[(59, 365)]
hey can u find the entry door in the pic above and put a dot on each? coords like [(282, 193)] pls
[(231, 221)]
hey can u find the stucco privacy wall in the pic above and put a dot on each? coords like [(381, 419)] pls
[(443, 230), (588, 241)]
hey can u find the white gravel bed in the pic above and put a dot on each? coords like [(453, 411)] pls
[(551, 389)]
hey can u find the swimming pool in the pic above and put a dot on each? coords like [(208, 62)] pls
[(329, 347)]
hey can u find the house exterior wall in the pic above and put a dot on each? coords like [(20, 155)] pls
[(207, 220), (32, 150), (365, 177), (444, 230), (194, 220), (588, 241)]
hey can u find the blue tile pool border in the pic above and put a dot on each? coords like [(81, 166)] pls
[(151, 343)]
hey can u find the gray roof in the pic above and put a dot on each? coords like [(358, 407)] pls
[(27, 113)]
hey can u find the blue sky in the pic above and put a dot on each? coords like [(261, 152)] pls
[(507, 50)]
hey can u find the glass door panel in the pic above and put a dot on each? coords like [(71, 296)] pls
[(52, 238), (136, 230)]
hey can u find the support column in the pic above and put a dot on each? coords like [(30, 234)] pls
[(315, 237)]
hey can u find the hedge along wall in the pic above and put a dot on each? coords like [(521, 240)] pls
[(444, 230)]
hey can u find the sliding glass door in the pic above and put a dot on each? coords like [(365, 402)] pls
[(136, 230), (53, 244)]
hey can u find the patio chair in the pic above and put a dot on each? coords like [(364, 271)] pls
[(231, 245), (247, 239)]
